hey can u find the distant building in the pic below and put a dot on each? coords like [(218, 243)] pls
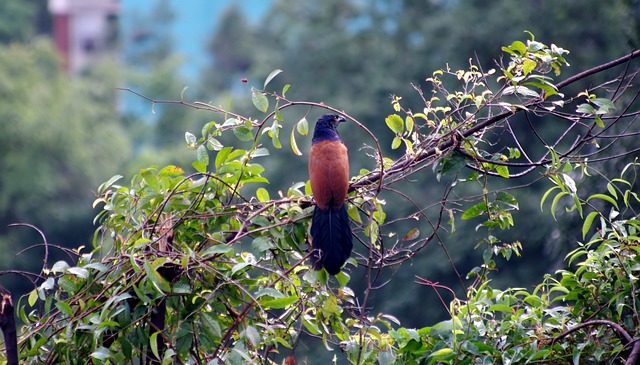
[(84, 30)]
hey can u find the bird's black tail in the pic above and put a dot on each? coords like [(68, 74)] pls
[(331, 239)]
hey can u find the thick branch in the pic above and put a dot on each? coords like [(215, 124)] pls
[(624, 335), (635, 354), (451, 140), (8, 326), (597, 69)]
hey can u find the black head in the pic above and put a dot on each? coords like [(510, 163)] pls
[(327, 128)]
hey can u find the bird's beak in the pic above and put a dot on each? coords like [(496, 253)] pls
[(340, 119)]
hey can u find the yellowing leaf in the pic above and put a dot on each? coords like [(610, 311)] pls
[(262, 194), (528, 66), (395, 123), (396, 142), (412, 234), (294, 145)]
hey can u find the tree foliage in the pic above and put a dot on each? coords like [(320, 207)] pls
[(17, 20), (60, 136), (210, 267)]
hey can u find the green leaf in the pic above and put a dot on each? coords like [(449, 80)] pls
[(181, 288), (206, 128), (259, 100), (503, 171), (605, 198), (262, 244), (102, 353), (587, 223), (259, 152), (64, 308), (285, 89), (528, 65), (191, 140), (252, 335), (549, 89), (386, 357), (276, 141), (303, 126), (262, 194), (604, 105), (278, 115), (273, 74), (409, 122), (268, 292), (243, 133), (231, 122), (278, 303), (343, 279), (109, 182), (518, 48), (199, 166), (395, 123), (554, 203), (153, 342), (546, 194), (520, 89), (612, 190), (150, 178), (312, 327), (239, 266), (158, 281), (599, 121), (213, 144), (475, 211), (202, 155), (500, 308), (79, 271), (59, 266), (440, 353), (397, 141), (354, 214), (222, 156), (507, 50), (33, 297), (585, 109), (217, 250), (211, 324)]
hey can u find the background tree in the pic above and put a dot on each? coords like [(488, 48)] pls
[(17, 20), (60, 139), (153, 69), (232, 52)]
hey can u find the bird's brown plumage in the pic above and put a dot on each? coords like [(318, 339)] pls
[(331, 235), (329, 173)]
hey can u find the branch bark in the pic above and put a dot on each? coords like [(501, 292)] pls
[(8, 326)]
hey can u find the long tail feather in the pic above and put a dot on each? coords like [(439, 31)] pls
[(331, 239)]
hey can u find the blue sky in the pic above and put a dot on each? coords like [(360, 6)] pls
[(194, 24)]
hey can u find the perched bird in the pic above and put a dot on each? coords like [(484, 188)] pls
[(329, 174)]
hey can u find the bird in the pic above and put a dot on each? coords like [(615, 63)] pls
[(331, 236)]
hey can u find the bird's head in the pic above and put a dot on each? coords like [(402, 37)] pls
[(327, 128)]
